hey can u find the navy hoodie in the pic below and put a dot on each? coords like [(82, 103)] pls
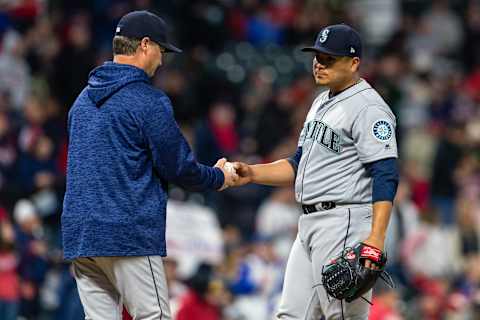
[(124, 145)]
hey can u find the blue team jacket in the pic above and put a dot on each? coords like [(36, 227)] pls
[(124, 144)]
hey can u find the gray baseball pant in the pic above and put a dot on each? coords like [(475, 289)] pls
[(105, 284), (321, 236)]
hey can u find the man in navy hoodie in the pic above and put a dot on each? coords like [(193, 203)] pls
[(124, 147)]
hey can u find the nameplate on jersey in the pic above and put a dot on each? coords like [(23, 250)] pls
[(321, 134)]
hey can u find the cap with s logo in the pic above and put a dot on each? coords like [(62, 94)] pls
[(338, 40)]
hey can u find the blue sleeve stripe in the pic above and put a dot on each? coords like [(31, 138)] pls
[(385, 177), (294, 160)]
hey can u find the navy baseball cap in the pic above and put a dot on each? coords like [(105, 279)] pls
[(338, 40), (139, 24)]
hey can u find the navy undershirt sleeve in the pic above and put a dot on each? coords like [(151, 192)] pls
[(294, 160), (385, 179)]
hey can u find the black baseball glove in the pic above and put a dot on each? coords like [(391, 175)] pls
[(346, 277)]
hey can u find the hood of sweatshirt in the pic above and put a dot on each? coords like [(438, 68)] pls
[(110, 77)]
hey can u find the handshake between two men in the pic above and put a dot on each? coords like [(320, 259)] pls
[(236, 173), (277, 174)]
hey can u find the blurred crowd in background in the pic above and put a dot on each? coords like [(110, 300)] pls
[(241, 89)]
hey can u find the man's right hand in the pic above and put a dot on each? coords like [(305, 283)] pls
[(244, 172), (231, 177), (276, 174)]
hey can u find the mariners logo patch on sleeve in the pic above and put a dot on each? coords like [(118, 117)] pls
[(382, 130)]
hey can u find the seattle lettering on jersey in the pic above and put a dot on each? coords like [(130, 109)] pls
[(322, 134)]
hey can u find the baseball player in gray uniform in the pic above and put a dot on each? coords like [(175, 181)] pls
[(345, 177)]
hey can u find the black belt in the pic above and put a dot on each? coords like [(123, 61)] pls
[(310, 208)]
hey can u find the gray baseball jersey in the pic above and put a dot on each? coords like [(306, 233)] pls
[(340, 135)]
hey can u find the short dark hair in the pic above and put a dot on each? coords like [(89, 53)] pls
[(124, 45)]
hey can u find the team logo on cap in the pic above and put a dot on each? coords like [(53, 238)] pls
[(324, 36), (382, 130)]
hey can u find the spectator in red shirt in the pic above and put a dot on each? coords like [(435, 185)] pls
[(204, 298), (9, 282), (385, 303)]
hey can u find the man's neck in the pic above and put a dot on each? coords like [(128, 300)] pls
[(131, 60), (344, 86)]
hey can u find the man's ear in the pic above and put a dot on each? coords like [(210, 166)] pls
[(355, 64), (144, 43)]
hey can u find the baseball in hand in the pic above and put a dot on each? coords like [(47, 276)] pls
[(229, 167)]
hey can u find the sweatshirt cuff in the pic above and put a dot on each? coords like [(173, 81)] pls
[(219, 178)]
